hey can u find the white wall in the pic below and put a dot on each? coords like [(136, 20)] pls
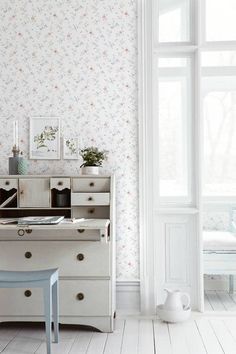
[(76, 59)]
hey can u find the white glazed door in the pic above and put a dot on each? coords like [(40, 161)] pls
[(170, 152), (34, 193)]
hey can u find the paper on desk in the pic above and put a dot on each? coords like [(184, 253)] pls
[(9, 221), (73, 221)]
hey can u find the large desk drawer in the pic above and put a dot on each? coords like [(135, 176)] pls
[(77, 298), (72, 258), (78, 199), (25, 233)]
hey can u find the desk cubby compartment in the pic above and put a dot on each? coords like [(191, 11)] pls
[(23, 212), (8, 198), (60, 198)]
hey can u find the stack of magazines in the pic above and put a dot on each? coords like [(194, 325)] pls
[(33, 220)]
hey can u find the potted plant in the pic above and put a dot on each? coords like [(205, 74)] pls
[(92, 160)]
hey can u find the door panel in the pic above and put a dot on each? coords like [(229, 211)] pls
[(34, 193)]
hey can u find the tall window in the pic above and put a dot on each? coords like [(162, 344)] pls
[(190, 66)]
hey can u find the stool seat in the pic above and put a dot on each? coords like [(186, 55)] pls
[(19, 276), (47, 280)]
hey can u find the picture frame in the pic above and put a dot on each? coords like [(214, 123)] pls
[(70, 148), (45, 138)]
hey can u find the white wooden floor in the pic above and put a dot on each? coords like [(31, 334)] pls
[(213, 335), (219, 301)]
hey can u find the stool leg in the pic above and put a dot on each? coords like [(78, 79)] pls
[(231, 284), (55, 306), (48, 314)]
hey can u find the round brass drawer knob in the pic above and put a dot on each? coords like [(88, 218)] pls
[(90, 199), (80, 257), (60, 183), (7, 183), (28, 293), (80, 296), (91, 211), (91, 184), (28, 255), (81, 230), (21, 232)]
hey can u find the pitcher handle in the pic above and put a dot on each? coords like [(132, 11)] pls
[(186, 296)]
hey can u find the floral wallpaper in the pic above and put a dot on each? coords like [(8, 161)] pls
[(76, 59)]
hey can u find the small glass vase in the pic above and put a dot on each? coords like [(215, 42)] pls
[(22, 167)]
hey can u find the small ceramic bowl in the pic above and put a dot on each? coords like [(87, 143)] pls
[(173, 316)]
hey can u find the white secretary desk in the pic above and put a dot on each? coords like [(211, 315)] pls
[(84, 252)]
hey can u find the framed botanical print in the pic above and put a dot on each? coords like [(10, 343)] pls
[(71, 148), (45, 138)]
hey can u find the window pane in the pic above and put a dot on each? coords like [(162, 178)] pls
[(174, 113), (220, 20), (216, 58), (174, 20), (172, 62), (219, 104)]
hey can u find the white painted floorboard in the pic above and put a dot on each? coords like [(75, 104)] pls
[(114, 340), (208, 336), (146, 343), (224, 336), (219, 301), (162, 337), (202, 335), (193, 339), (215, 301), (130, 337)]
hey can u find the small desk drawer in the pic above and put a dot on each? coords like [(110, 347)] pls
[(90, 199), (91, 184), (72, 258), (8, 183), (60, 183), (91, 212), (77, 298)]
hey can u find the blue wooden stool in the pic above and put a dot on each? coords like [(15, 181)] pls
[(48, 281)]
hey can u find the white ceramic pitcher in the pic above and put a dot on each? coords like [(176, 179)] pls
[(176, 300)]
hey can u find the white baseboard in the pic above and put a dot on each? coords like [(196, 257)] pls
[(128, 296)]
